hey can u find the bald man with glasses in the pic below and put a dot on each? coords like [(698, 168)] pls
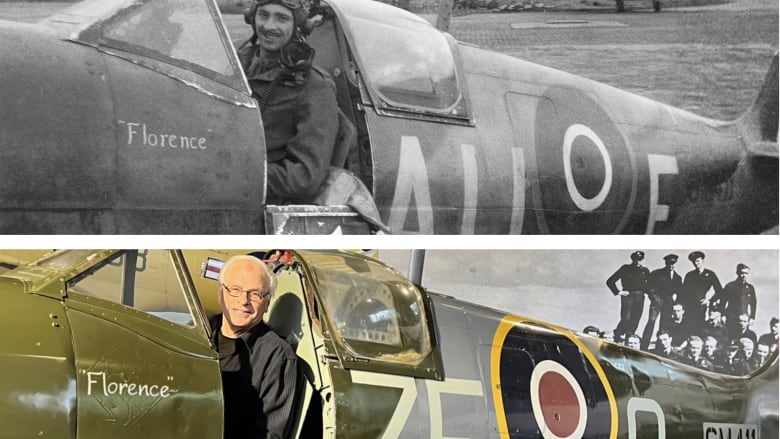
[(259, 369)]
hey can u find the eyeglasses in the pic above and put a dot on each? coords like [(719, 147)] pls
[(254, 295)]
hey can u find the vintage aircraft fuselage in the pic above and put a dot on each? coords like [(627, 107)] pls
[(98, 141), (107, 344), (138, 119)]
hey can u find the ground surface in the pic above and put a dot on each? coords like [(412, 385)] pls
[(707, 59), (710, 60)]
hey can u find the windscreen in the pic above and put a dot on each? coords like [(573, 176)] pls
[(187, 33), (405, 59), (378, 314)]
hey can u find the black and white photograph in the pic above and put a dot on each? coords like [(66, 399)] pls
[(469, 117)]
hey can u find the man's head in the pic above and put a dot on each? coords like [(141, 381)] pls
[(695, 345), (743, 271), (665, 338), (762, 351), (744, 321), (678, 311), (277, 22), (670, 260), (710, 346), (733, 349), (715, 316), (246, 287), (633, 341), (637, 256), (774, 326), (697, 259), (747, 346)]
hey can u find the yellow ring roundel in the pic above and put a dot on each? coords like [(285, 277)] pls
[(538, 370)]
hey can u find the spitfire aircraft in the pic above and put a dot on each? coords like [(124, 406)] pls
[(116, 344), (134, 117)]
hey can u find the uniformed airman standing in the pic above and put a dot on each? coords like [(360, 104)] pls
[(738, 297), (633, 286), (664, 286), (696, 295)]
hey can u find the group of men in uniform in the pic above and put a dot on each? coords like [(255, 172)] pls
[(700, 322)]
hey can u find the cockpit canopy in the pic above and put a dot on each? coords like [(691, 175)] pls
[(412, 71), (185, 33), (378, 314), (407, 62)]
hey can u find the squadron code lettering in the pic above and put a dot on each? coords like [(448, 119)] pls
[(714, 430), (138, 131), (132, 389)]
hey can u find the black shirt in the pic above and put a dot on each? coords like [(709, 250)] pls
[(259, 382), (696, 285), (633, 277)]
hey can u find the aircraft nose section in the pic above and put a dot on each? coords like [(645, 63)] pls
[(55, 127)]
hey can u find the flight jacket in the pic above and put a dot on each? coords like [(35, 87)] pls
[(301, 124)]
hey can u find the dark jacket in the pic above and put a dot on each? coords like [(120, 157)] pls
[(768, 339), (738, 333), (737, 298), (671, 354), (680, 331), (260, 397), (300, 123), (695, 287), (665, 282), (731, 366), (632, 278), (701, 362)]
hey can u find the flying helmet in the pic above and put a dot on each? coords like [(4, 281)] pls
[(299, 8)]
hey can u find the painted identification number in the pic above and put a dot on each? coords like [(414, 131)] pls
[(714, 430)]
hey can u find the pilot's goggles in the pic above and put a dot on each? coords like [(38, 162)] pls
[(254, 295), (290, 4)]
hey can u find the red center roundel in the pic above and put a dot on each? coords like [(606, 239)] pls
[(559, 404), (558, 401)]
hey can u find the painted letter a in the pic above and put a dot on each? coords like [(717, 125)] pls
[(412, 179)]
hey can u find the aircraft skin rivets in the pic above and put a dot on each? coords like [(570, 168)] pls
[(52, 316), (55, 325)]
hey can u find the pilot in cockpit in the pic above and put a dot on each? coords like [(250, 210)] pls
[(307, 136), (297, 100)]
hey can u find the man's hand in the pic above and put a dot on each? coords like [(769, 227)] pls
[(623, 293)]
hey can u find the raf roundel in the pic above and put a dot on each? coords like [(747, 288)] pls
[(591, 181), (558, 401), (550, 387)]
